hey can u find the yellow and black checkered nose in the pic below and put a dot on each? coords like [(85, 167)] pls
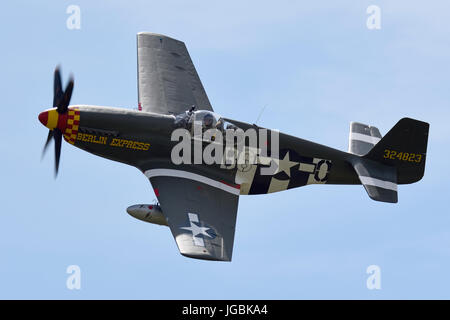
[(67, 122), (72, 124)]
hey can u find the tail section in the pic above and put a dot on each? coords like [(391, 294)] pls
[(404, 147), (397, 158)]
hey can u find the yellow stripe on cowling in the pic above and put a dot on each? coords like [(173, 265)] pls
[(52, 121)]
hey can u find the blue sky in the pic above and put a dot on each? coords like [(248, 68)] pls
[(315, 66)]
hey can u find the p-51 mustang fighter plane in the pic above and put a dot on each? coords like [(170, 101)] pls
[(198, 200)]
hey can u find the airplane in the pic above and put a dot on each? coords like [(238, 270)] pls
[(198, 201)]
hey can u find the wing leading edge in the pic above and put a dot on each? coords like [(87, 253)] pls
[(201, 212)]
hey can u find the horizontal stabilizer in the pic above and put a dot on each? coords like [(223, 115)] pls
[(362, 138), (379, 180)]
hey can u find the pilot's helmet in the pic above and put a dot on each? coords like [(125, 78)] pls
[(208, 121)]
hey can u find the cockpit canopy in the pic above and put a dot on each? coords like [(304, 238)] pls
[(207, 120)]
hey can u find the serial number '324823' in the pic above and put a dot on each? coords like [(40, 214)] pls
[(402, 156)]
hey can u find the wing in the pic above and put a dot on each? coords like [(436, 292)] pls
[(201, 212), (167, 80)]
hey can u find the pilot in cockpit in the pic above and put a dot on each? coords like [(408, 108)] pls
[(208, 121)]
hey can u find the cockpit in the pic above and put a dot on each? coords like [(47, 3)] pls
[(206, 119)]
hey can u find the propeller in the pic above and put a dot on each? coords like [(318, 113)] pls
[(61, 100)]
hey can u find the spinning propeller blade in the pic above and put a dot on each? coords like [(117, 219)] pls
[(50, 118)]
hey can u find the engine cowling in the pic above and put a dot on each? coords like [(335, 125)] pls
[(151, 213)]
